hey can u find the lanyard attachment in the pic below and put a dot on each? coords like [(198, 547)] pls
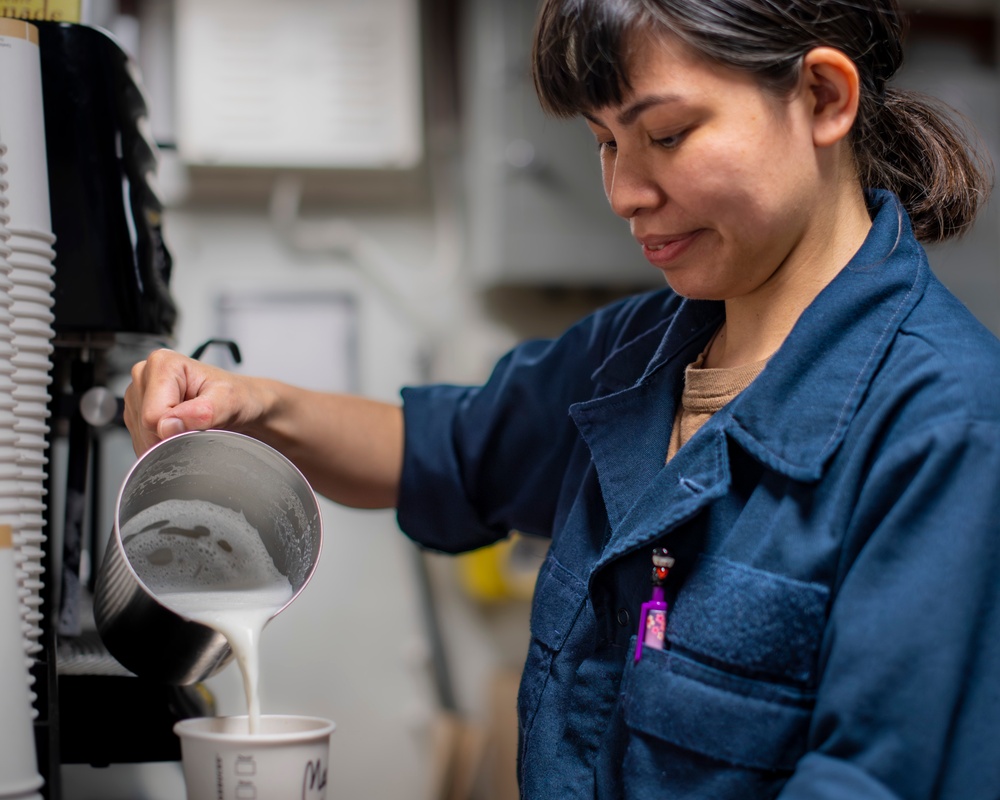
[(653, 614)]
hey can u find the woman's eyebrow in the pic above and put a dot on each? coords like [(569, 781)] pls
[(630, 113)]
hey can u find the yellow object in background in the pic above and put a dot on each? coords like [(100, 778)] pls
[(503, 571), (55, 10)]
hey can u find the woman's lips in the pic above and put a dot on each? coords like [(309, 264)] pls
[(661, 251)]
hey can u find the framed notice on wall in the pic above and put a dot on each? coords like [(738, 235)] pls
[(305, 338), (302, 83)]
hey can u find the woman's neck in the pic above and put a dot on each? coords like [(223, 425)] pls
[(757, 323)]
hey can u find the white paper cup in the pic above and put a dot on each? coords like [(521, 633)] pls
[(32, 473), (22, 245), (223, 761), (40, 296), (25, 359), (22, 275), (24, 126), (31, 405), (27, 339), (42, 235), (11, 504), (28, 380), (29, 512), (27, 303), (26, 342)]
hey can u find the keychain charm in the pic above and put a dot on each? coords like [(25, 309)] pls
[(653, 615)]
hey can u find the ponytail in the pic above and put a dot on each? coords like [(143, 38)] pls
[(917, 147)]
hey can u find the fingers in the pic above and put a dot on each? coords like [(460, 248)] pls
[(166, 398), (171, 393)]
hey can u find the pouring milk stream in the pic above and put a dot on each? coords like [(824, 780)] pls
[(208, 564)]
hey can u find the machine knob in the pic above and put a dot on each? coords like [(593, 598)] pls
[(98, 406)]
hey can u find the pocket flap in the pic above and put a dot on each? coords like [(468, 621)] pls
[(559, 596), (665, 698), (762, 623)]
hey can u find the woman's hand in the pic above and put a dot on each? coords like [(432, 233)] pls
[(171, 393)]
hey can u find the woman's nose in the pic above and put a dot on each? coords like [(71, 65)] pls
[(629, 186)]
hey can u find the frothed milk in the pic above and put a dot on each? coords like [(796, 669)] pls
[(208, 564)]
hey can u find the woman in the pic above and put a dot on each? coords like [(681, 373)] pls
[(804, 418)]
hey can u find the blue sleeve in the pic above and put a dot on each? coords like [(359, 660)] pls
[(481, 461), (922, 718)]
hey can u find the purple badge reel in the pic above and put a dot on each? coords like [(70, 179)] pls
[(653, 614)]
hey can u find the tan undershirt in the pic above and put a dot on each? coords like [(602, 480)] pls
[(706, 391)]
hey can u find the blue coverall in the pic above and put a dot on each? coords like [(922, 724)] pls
[(834, 623)]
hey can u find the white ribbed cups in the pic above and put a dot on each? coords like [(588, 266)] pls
[(26, 270)]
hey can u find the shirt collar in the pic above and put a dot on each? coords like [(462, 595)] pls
[(795, 415)]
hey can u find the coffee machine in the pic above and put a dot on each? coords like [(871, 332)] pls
[(112, 307)]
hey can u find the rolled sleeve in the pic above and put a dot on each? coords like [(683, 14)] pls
[(433, 507), (481, 461)]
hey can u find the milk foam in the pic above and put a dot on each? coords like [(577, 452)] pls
[(180, 545), (208, 564)]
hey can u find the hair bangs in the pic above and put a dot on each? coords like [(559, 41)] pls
[(579, 55)]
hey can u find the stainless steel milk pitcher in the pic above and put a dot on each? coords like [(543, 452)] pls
[(230, 474)]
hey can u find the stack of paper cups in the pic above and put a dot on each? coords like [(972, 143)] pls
[(31, 311), (11, 489), (30, 259), (19, 776)]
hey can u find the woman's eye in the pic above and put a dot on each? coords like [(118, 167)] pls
[(670, 142), (608, 146)]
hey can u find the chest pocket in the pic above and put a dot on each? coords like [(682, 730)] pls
[(737, 684)]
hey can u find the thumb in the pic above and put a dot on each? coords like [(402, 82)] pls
[(170, 426), (191, 415)]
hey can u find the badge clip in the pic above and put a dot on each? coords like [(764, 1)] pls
[(653, 614)]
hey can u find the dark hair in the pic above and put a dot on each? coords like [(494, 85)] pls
[(902, 141)]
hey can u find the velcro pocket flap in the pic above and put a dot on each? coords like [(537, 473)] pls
[(559, 596), (760, 623)]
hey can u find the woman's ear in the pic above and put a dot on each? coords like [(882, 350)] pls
[(832, 82)]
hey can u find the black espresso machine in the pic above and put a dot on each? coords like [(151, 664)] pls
[(112, 306)]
